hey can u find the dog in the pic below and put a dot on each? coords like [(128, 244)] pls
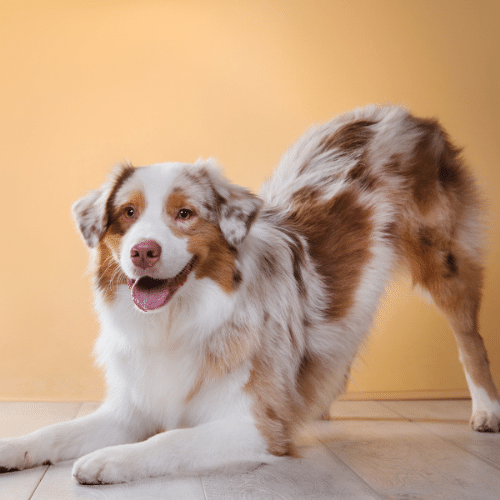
[(228, 319)]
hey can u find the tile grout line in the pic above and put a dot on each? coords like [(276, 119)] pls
[(400, 419), (421, 423), (394, 411), (39, 482), (203, 487), (459, 446), (45, 472), (333, 454)]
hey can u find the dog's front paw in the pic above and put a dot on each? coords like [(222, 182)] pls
[(485, 421), (107, 466), (14, 455)]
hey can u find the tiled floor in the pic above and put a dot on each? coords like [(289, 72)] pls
[(397, 449)]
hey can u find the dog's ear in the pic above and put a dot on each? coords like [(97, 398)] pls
[(236, 207), (91, 213), (91, 216)]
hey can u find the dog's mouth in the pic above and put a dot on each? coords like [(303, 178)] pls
[(151, 293)]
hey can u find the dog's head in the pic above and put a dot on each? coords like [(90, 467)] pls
[(155, 226)]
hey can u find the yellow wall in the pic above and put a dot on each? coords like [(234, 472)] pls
[(85, 84)]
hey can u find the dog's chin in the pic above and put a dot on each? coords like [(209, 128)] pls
[(150, 294)]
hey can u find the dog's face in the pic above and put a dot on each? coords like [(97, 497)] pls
[(159, 226)]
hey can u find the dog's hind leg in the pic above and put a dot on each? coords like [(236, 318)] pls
[(460, 301), (441, 239), (453, 277)]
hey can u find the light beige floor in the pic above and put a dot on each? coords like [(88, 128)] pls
[(397, 449)]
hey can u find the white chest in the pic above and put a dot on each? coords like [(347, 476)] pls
[(154, 362)]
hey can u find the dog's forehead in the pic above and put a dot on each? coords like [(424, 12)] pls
[(155, 182)]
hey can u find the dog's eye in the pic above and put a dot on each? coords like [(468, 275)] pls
[(129, 212), (184, 214)]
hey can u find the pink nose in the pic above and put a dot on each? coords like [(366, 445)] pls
[(145, 254)]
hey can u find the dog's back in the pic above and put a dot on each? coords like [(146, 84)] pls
[(377, 188)]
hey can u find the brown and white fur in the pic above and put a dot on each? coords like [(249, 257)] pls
[(266, 299)]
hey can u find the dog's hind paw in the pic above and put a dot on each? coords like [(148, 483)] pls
[(484, 421)]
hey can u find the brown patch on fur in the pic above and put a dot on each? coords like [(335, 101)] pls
[(298, 252), (119, 220), (432, 255), (215, 258), (279, 405), (452, 265), (196, 388), (346, 139), (306, 194), (433, 166), (268, 263), (224, 353), (338, 236), (423, 168), (272, 408), (176, 201), (315, 380), (108, 274), (390, 231), (349, 137), (393, 166), (361, 174), (237, 278), (120, 175), (298, 255)]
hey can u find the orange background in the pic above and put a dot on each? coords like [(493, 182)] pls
[(85, 84)]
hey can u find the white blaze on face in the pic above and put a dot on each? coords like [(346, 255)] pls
[(154, 287), (155, 184)]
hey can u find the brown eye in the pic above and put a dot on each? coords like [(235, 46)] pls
[(129, 212), (184, 214)]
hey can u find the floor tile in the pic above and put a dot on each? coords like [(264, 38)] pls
[(22, 418), (316, 476), (369, 450), (361, 409), (459, 409), (58, 483), (20, 485), (404, 460), (482, 444)]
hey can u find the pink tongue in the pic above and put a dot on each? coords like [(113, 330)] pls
[(149, 294)]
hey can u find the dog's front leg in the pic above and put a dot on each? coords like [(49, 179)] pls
[(72, 439), (207, 447)]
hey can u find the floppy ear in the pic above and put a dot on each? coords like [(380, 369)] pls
[(91, 216), (237, 207), (91, 213)]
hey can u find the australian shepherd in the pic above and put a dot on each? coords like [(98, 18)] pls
[(229, 318)]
